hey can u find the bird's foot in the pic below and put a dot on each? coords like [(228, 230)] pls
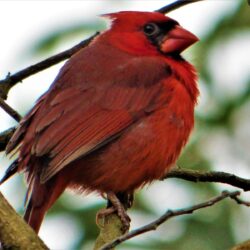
[(103, 213), (116, 207), (120, 210)]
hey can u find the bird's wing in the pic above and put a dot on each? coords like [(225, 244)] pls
[(72, 122)]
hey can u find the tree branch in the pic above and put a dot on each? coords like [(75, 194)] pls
[(5, 137), (241, 202), (9, 110), (243, 246), (14, 232), (110, 228), (168, 215), (11, 80), (213, 176), (175, 5)]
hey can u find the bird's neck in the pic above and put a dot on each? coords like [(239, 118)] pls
[(186, 73)]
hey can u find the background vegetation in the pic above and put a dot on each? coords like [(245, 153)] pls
[(221, 141)]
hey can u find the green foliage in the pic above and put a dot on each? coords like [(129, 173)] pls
[(53, 39)]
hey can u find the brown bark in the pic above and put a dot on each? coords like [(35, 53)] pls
[(14, 232)]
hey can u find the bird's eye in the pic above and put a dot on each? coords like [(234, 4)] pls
[(151, 29)]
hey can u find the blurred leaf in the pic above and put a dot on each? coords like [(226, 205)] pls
[(53, 39)]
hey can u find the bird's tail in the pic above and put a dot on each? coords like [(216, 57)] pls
[(40, 198), (34, 215)]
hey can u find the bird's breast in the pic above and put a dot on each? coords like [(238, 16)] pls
[(143, 153)]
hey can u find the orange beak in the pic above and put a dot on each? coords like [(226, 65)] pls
[(177, 40)]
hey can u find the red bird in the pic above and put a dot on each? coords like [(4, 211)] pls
[(115, 118)]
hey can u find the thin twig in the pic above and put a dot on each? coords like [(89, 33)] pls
[(240, 201), (9, 110), (168, 215), (11, 80), (212, 176), (175, 5), (5, 137)]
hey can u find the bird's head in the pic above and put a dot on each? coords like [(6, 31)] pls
[(146, 33)]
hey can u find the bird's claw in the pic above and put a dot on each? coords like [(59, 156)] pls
[(116, 207), (125, 219)]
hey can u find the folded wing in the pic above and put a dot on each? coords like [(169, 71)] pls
[(69, 123)]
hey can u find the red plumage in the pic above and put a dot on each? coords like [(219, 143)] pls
[(116, 117)]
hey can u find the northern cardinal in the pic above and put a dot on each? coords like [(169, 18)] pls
[(115, 118)]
